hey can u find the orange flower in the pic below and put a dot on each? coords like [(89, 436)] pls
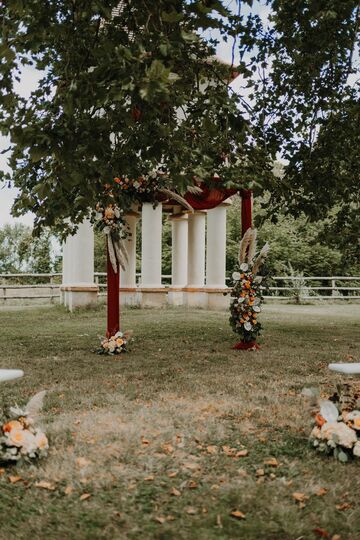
[(13, 424), (357, 422), (117, 180), (319, 420), (109, 213)]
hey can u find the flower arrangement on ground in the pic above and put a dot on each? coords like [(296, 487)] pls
[(20, 439), (246, 292), (117, 344), (336, 428)]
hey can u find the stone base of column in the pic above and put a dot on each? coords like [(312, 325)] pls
[(217, 299), (73, 296), (130, 296), (153, 297), (196, 297), (176, 297)]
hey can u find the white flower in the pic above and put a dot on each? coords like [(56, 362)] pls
[(119, 334), (244, 267), (328, 410), (315, 434), (356, 449), (117, 212), (256, 309), (236, 276), (247, 326), (41, 441), (340, 433), (258, 279), (30, 445)]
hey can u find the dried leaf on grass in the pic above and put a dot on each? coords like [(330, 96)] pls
[(14, 479), (175, 492), (321, 533), (85, 496), (300, 498), (168, 448), (191, 511), (343, 506), (82, 462), (237, 514), (272, 462), (192, 484), (45, 485)]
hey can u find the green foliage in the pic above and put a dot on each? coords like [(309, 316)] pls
[(311, 248), (308, 107), (20, 252)]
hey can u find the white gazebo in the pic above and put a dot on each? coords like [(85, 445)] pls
[(198, 277)]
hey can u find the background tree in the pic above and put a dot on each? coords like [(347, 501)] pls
[(307, 101), (20, 252)]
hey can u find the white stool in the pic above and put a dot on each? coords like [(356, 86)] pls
[(9, 374), (346, 369)]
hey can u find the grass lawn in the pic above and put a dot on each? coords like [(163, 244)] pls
[(151, 438)]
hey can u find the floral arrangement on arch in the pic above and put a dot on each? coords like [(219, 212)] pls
[(117, 344), (20, 439), (245, 306), (336, 428)]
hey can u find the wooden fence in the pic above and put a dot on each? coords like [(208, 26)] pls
[(298, 288)]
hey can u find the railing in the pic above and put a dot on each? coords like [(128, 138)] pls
[(32, 286)]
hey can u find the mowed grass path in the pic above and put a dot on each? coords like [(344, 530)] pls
[(153, 436)]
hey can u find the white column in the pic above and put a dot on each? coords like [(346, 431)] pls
[(151, 235), (128, 276), (196, 250), (179, 253), (78, 287), (216, 247)]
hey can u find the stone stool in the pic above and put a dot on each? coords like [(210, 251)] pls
[(346, 369), (9, 374)]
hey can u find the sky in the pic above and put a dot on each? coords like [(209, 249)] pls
[(27, 84)]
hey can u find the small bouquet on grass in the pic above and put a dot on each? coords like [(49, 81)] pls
[(117, 344), (246, 293), (20, 439), (337, 425)]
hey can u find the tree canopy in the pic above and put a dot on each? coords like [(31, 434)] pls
[(133, 87), (122, 95)]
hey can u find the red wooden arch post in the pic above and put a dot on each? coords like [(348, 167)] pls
[(113, 299), (246, 210)]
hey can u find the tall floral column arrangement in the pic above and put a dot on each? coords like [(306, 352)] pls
[(246, 296)]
